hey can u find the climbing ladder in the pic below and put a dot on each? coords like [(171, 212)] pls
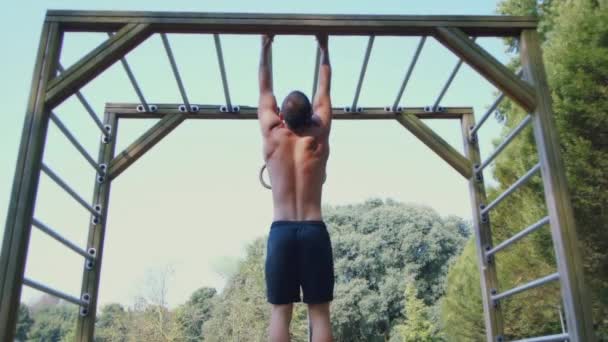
[(52, 84)]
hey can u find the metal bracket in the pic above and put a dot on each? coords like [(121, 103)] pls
[(433, 109), (232, 109), (353, 110), (393, 109)]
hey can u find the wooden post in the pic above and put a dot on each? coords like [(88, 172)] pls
[(25, 182), (483, 237), (101, 195), (557, 197)]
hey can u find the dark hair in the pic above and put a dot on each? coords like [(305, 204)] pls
[(296, 109)]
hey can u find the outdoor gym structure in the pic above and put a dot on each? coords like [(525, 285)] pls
[(52, 85)]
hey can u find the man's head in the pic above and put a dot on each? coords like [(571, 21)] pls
[(296, 110)]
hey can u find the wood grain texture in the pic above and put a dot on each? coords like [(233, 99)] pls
[(25, 182), (95, 62), (258, 23), (85, 326), (437, 144), (483, 238), (561, 216), (474, 55)]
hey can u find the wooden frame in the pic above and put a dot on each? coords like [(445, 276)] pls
[(131, 28)]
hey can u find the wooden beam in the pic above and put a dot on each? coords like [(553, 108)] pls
[(258, 23), (129, 111), (561, 216), (85, 326), (488, 278), (95, 62), (458, 42), (437, 144), (25, 182), (144, 143)]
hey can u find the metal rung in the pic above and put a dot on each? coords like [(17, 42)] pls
[(40, 287), (49, 231), (521, 181), (315, 80), (69, 190), (490, 110), (525, 287), (75, 142), (368, 52), (178, 79), (408, 74), (506, 142), (518, 236), (220, 59), (131, 77), (447, 84), (87, 106), (548, 338)]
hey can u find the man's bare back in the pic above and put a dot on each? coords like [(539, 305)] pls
[(296, 163), (299, 257)]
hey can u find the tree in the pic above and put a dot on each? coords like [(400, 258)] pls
[(112, 324), (195, 312), (24, 323), (417, 325), (54, 323)]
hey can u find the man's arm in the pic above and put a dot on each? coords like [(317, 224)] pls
[(267, 106), (322, 100)]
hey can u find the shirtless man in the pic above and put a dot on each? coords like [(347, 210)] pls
[(296, 148)]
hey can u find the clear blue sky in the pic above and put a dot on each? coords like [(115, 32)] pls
[(196, 197)]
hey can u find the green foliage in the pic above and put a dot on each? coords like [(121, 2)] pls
[(417, 326), (376, 246), (24, 323), (576, 59), (195, 312), (112, 324), (54, 323)]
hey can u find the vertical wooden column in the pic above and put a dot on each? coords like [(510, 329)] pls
[(25, 182), (85, 327), (557, 197), (483, 237)]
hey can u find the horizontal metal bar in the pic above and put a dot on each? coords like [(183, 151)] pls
[(220, 60), (368, 51), (506, 142), (49, 231), (408, 74), (178, 78), (67, 189), (520, 235), (521, 181), (87, 106), (525, 287), (131, 77), (129, 110), (548, 338), (75, 142), (447, 84), (281, 23), (40, 287), (490, 110)]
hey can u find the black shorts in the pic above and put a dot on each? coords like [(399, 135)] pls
[(298, 255)]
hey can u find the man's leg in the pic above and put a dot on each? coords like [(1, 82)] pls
[(319, 321), (280, 317)]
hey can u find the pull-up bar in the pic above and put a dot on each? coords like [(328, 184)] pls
[(133, 81)]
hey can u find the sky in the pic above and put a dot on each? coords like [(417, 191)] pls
[(194, 201)]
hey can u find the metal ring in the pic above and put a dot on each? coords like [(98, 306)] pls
[(262, 177), (267, 186)]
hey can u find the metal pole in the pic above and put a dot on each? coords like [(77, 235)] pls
[(67, 189), (49, 231), (408, 74), (178, 79), (220, 59), (523, 233), (315, 80), (41, 287), (505, 143), (368, 51), (549, 338), (136, 87), (525, 287), (75, 143), (521, 181), (448, 83)]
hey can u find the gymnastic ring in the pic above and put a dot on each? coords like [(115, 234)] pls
[(267, 186), (262, 177)]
